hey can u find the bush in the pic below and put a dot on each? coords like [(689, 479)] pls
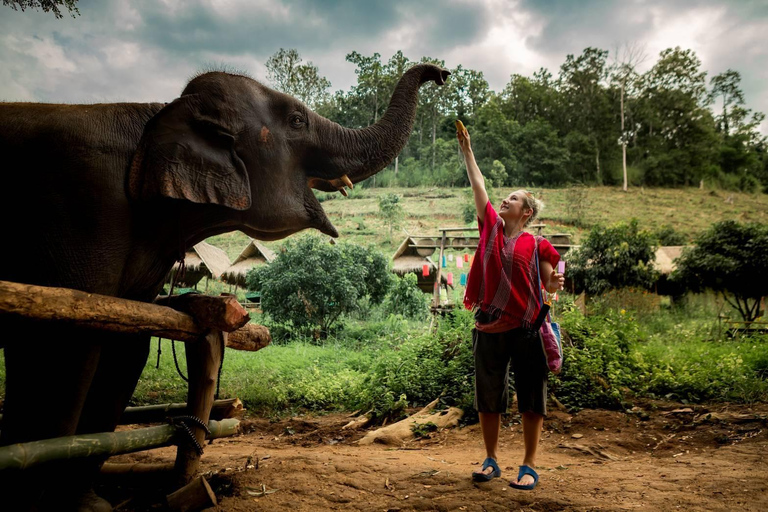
[(730, 259), (311, 283), (406, 298), (620, 256), (422, 368)]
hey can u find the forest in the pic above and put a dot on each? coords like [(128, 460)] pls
[(598, 120)]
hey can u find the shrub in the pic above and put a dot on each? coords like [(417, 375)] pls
[(730, 259), (620, 256), (311, 283), (406, 298)]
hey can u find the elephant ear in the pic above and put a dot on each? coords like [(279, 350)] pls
[(184, 154)]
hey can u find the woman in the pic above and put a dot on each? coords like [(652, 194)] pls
[(503, 289)]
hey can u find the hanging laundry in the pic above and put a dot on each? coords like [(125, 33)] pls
[(466, 257), (450, 257), (463, 279), (459, 263), (425, 270), (450, 278), (444, 261)]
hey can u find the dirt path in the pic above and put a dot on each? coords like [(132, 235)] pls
[(671, 458)]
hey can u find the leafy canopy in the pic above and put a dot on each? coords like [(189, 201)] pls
[(312, 283), (731, 259), (620, 256), (45, 6)]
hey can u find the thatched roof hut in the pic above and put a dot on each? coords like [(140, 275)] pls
[(408, 260), (202, 260), (254, 254), (665, 258)]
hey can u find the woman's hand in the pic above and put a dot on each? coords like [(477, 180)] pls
[(556, 281), (463, 136)]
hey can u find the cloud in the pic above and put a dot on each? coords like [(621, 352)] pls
[(145, 50)]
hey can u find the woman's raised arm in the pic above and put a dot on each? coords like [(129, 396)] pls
[(476, 179)]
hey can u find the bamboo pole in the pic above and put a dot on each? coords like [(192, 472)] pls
[(106, 444), (438, 283), (221, 409)]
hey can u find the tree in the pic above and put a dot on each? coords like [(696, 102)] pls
[(45, 6), (627, 58), (620, 256), (586, 102), (406, 298), (679, 143), (727, 85), (731, 260), (312, 283), (391, 211), (303, 81)]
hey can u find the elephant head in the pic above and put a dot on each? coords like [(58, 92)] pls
[(232, 142)]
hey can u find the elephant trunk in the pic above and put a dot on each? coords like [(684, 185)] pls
[(364, 152)]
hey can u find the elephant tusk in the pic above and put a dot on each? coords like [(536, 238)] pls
[(343, 191), (347, 181)]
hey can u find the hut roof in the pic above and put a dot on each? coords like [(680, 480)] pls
[(203, 260), (254, 254), (407, 260), (665, 258)]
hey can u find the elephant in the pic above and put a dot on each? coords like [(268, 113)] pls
[(105, 198)]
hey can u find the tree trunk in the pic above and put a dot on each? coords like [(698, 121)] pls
[(597, 164), (623, 140)]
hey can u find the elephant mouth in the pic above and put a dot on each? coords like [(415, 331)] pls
[(330, 185)]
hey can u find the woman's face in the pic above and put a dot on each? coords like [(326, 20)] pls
[(513, 208)]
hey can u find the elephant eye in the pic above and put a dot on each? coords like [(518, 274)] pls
[(296, 120)]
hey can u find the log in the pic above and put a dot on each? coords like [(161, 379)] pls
[(203, 362), (106, 444), (251, 337), (194, 496), (92, 311), (222, 409), (220, 313), (137, 469), (397, 433)]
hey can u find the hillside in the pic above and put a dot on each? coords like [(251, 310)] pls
[(568, 210)]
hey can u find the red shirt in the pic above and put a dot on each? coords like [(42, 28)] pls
[(503, 279)]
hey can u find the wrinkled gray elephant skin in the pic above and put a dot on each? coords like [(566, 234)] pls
[(105, 198)]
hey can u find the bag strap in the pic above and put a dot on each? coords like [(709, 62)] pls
[(538, 275)]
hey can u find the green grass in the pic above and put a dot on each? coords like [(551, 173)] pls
[(276, 379), (687, 210)]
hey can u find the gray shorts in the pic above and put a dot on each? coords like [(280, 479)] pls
[(494, 354)]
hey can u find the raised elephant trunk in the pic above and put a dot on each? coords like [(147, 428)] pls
[(361, 153)]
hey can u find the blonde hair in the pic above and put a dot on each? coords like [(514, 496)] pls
[(536, 205)]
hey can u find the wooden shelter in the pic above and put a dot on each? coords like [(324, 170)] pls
[(410, 259), (665, 258), (254, 254), (202, 260)]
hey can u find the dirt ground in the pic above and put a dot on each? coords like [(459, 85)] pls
[(657, 457)]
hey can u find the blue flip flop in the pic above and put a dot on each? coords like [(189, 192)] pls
[(525, 470), (482, 477)]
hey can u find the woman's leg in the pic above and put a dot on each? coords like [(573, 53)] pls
[(490, 424), (529, 366), (491, 388), (532, 423)]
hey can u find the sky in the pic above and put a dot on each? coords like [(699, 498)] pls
[(146, 50)]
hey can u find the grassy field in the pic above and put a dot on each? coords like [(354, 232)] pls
[(649, 349), (568, 210)]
